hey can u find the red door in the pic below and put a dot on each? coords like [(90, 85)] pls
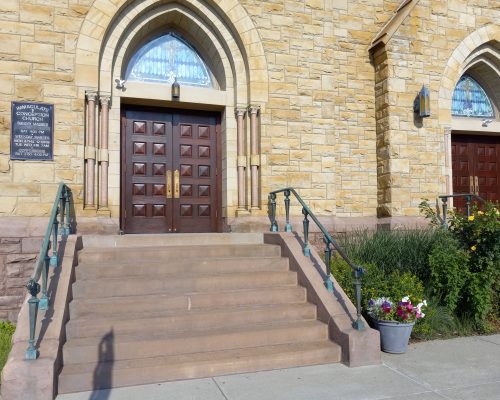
[(476, 165), (170, 179)]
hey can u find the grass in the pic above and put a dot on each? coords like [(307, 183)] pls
[(6, 332), (403, 250)]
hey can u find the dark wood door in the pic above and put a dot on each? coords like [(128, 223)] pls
[(170, 180), (476, 165)]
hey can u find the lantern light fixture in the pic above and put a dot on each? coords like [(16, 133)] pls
[(422, 105), (176, 90)]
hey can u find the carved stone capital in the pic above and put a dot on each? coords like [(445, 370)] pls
[(240, 112), (253, 109), (91, 95), (105, 101)]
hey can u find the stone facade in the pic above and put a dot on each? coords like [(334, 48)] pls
[(336, 120), (330, 82)]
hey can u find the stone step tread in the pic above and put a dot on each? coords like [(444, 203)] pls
[(190, 322), (81, 377), (138, 240), (160, 336), (109, 287), (146, 316), (188, 267), (104, 306), (187, 248), (196, 260)]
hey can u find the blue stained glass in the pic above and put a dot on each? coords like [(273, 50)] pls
[(166, 58), (470, 100)]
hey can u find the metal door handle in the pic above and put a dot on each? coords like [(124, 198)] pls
[(476, 181), (168, 181), (176, 184)]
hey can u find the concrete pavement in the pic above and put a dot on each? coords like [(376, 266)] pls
[(456, 369)]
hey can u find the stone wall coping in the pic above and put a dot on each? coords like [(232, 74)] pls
[(37, 379), (359, 348)]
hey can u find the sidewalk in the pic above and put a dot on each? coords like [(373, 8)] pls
[(456, 369)]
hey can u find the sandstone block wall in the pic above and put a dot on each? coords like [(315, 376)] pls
[(411, 151), (337, 122)]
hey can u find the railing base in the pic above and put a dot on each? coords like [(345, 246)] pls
[(358, 325), (54, 261), (43, 304), (329, 284), (31, 354)]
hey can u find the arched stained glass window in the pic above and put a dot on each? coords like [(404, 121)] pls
[(166, 58), (470, 100)]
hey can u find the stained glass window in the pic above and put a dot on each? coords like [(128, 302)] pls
[(470, 100), (166, 58)]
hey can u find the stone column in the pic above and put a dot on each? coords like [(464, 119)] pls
[(242, 159), (90, 151), (254, 110), (103, 153)]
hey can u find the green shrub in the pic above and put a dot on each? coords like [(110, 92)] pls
[(448, 263), (6, 332), (439, 321), (478, 236), (404, 251), (376, 283)]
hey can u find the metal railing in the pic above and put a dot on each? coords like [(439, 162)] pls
[(469, 198), (328, 240), (60, 215)]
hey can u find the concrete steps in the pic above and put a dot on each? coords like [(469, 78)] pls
[(159, 311), (81, 377)]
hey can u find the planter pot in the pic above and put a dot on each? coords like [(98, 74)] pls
[(394, 336)]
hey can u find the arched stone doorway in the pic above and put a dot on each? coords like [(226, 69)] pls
[(472, 134), (240, 89)]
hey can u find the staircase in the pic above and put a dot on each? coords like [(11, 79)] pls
[(149, 309)]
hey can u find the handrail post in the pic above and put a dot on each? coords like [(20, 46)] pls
[(274, 224), (358, 324), (288, 227), (64, 205), (34, 288), (328, 255), (69, 197), (307, 250), (44, 300), (468, 200), (444, 200), (53, 259)]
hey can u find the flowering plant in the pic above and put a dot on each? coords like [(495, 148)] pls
[(383, 309)]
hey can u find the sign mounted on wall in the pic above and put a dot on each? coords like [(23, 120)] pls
[(32, 133)]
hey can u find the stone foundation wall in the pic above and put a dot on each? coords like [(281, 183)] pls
[(20, 241)]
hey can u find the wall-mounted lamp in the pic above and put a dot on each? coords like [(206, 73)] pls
[(176, 89), (422, 105)]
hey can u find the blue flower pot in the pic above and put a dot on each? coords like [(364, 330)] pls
[(394, 336)]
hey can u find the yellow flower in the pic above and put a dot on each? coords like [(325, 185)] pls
[(473, 248), (480, 213), (471, 218)]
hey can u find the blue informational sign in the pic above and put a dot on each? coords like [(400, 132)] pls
[(32, 131)]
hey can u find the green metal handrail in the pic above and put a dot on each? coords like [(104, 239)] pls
[(62, 209), (328, 240), (469, 197)]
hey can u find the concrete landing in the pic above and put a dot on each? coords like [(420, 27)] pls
[(456, 369)]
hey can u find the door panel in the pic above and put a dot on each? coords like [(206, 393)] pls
[(148, 136), (195, 143), (476, 166), (170, 181)]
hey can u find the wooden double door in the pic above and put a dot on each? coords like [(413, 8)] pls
[(170, 172), (476, 165)]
